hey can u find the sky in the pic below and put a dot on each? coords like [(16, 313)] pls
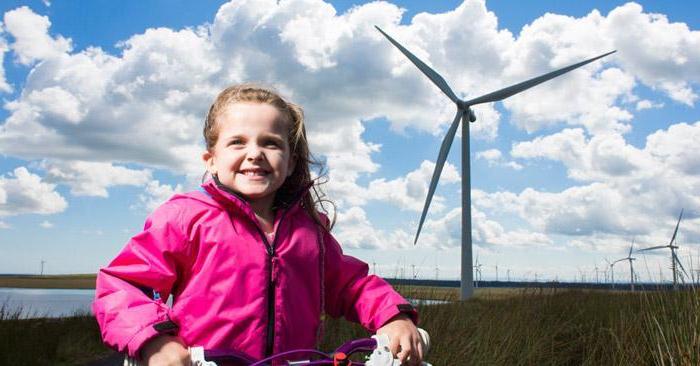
[(103, 103)]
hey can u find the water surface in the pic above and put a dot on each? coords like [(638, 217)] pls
[(50, 303)]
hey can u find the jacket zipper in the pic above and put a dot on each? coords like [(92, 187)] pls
[(271, 261)]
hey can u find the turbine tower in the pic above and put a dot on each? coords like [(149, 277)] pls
[(464, 113), (675, 262), (630, 259)]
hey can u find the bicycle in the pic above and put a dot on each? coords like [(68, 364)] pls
[(378, 345)]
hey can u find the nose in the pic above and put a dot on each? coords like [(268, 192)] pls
[(255, 153)]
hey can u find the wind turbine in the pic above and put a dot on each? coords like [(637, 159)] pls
[(630, 259), (612, 272), (465, 112), (674, 258), (477, 270)]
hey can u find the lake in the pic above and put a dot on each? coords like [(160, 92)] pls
[(51, 303)]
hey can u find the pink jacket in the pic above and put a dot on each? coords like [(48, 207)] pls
[(233, 289)]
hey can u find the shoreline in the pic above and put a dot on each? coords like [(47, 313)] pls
[(76, 281)]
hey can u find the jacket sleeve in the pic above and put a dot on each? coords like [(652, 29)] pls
[(126, 311), (362, 298)]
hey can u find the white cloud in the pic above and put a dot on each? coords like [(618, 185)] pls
[(445, 232), (5, 87), (4, 225), (26, 193), (156, 194), (489, 155), (631, 191), (31, 39), (355, 231), (647, 104), (494, 157), (409, 192), (660, 53), (46, 224), (144, 106), (91, 178)]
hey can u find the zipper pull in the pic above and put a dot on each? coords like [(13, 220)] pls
[(274, 271)]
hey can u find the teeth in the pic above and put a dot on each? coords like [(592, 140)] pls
[(254, 172)]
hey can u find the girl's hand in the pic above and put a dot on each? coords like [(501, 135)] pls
[(166, 350), (403, 335)]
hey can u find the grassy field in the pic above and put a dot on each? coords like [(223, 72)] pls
[(497, 327), (75, 281)]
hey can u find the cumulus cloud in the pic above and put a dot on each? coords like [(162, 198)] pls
[(5, 87), (46, 224), (494, 157), (31, 39), (145, 106), (445, 232), (22, 192), (4, 225), (142, 108), (628, 191), (156, 194), (660, 53), (355, 231), (91, 178), (647, 104), (409, 192)]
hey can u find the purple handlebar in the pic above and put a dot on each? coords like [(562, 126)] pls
[(238, 358)]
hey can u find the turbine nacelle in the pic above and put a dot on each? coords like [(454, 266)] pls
[(471, 115)]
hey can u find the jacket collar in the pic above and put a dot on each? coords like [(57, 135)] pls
[(232, 200)]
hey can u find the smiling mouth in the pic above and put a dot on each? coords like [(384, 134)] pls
[(254, 172)]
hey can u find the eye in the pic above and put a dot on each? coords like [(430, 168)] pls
[(272, 143), (235, 142)]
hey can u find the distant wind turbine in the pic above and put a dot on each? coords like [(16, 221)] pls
[(675, 262), (630, 259), (612, 272), (477, 270), (465, 112)]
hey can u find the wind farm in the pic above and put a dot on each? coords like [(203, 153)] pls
[(525, 174)]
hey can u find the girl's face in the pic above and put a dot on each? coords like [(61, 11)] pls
[(251, 155)]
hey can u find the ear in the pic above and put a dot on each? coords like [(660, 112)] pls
[(208, 159)]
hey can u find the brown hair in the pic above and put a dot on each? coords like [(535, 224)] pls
[(300, 181)]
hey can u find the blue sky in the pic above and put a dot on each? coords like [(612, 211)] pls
[(102, 106)]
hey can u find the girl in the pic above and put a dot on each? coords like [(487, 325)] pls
[(249, 261)]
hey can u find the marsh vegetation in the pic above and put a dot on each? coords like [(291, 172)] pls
[(497, 327)]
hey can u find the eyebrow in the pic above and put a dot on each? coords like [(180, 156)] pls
[(265, 136)]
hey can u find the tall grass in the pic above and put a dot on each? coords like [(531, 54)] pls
[(524, 327), (557, 327), (71, 340)]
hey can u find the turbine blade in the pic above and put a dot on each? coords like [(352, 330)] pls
[(652, 248), (430, 73), (517, 88), (676, 230), (631, 246), (442, 157)]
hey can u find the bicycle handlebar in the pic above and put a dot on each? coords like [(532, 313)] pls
[(377, 344)]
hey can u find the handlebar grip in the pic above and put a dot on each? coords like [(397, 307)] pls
[(425, 337)]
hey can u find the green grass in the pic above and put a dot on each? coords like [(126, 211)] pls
[(515, 327), (71, 340)]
